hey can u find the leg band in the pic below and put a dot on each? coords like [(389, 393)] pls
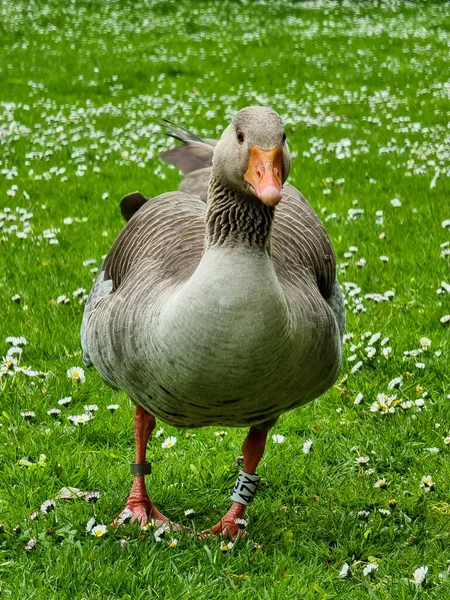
[(141, 468), (245, 488)]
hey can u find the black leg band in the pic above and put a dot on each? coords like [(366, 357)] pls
[(141, 468)]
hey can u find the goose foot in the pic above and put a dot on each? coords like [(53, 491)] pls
[(142, 509), (227, 526)]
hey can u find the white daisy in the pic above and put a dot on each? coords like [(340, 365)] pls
[(370, 569), (344, 571), (381, 483), (65, 400), (427, 483), (278, 438), (48, 506), (221, 433), (28, 415), (54, 412), (387, 351), (419, 575), (76, 374), (356, 367), (169, 442), (226, 546), (80, 419), (307, 446), (358, 399), (98, 530)]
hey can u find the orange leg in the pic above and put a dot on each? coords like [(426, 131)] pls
[(253, 450), (139, 507)]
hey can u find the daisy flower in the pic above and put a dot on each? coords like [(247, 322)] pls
[(169, 442), (65, 401), (92, 497), (307, 446), (381, 483), (79, 419), (362, 460), (241, 523), (344, 571), (356, 367), (16, 341), (159, 533), (90, 408), (358, 399), (419, 575), (189, 513), (76, 374), (113, 407), (278, 438), (30, 544), (221, 434), (370, 569), (54, 412), (28, 415), (98, 530), (14, 350), (173, 543), (427, 483), (126, 515), (425, 342), (226, 546), (48, 506), (396, 382)]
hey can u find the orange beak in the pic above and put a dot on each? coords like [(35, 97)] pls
[(264, 174)]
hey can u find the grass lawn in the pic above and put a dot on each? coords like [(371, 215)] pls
[(364, 90)]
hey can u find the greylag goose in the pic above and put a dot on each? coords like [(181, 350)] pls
[(219, 313)]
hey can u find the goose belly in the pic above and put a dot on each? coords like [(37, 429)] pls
[(220, 350), (233, 369)]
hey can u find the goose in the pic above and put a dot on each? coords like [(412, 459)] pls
[(218, 304)]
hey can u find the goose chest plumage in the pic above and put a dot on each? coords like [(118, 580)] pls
[(225, 312)]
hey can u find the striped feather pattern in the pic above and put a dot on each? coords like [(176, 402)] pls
[(224, 335)]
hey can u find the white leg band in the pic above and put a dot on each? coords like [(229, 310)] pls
[(245, 489)]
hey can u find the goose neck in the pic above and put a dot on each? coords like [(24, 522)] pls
[(236, 219)]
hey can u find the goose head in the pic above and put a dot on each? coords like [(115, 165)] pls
[(252, 155)]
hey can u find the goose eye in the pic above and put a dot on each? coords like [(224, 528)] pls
[(240, 136), (284, 137)]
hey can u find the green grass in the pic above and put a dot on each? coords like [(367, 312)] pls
[(83, 86)]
